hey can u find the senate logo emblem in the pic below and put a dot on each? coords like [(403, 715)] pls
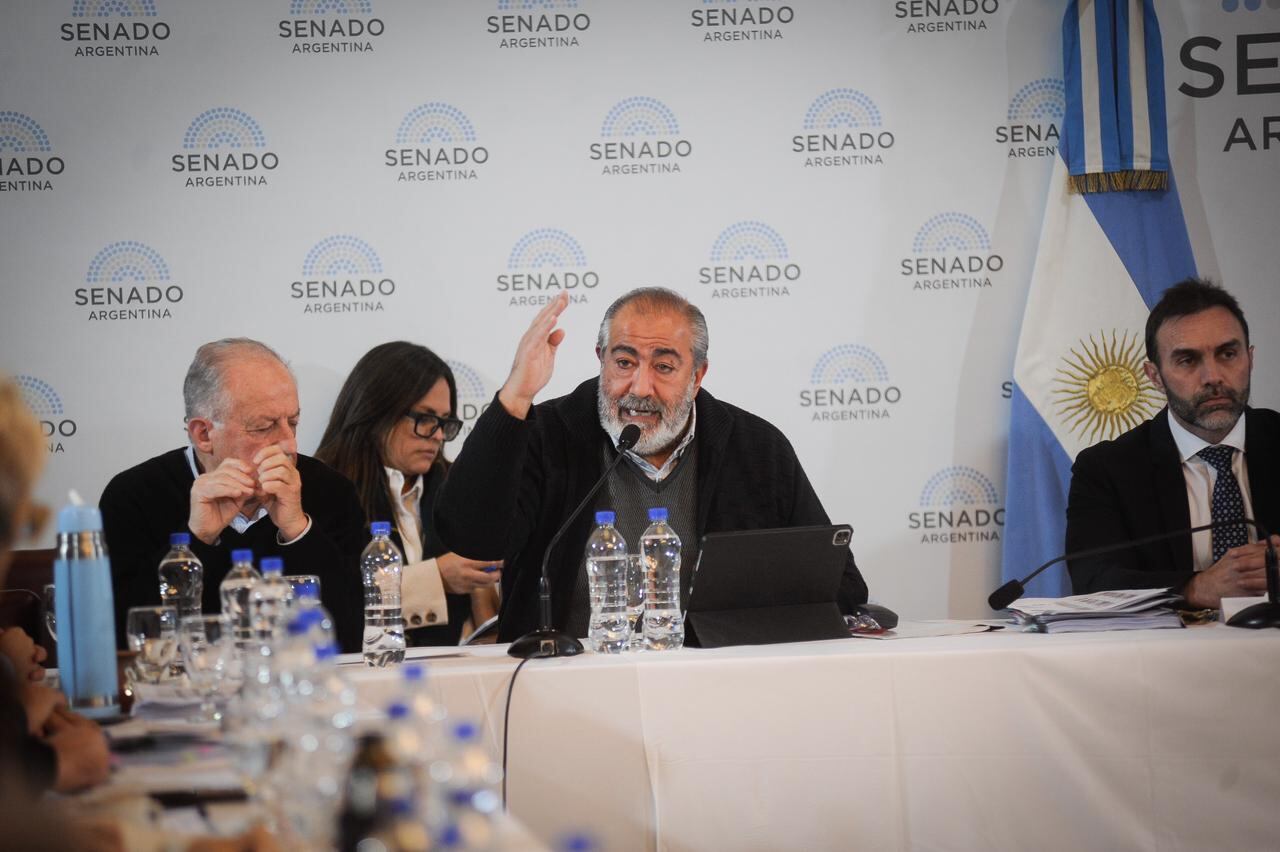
[(1101, 389)]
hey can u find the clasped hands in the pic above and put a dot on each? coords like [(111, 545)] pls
[(1239, 573), (270, 479)]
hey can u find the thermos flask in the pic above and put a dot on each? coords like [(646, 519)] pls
[(85, 614)]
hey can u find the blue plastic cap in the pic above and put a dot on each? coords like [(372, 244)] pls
[(657, 513), (241, 556), (450, 836), (74, 519), (306, 591), (297, 626), (326, 652), (578, 843), (397, 710), (605, 517), (415, 672), (272, 564), (380, 528), (176, 539), (465, 731), (401, 807)]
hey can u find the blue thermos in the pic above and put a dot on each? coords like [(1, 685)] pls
[(85, 614)]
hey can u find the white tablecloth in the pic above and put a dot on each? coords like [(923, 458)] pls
[(1140, 740)]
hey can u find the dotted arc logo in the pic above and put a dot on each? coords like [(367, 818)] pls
[(842, 127), (542, 264), (46, 404), (951, 251), (849, 382), (749, 259), (1033, 119), (330, 7), (436, 141), (128, 280), (474, 394), (233, 151), (342, 274), (27, 161), (108, 8), (958, 504), (642, 137)]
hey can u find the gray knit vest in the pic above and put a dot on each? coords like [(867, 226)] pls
[(630, 494)]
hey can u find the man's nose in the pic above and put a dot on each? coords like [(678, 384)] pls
[(642, 381)]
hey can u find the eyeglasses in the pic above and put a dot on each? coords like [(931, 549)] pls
[(425, 425)]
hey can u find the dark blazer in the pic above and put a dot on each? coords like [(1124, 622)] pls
[(1133, 487), (516, 481), (459, 606)]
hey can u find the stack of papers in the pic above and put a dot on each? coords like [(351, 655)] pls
[(1126, 609)]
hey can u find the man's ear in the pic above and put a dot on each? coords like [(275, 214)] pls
[(198, 430), (1153, 373)]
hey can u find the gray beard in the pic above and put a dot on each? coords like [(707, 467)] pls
[(660, 438), (1221, 420)]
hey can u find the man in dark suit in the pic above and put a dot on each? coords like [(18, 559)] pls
[(1206, 457)]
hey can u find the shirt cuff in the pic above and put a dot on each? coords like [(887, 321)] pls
[(422, 595), (296, 538)]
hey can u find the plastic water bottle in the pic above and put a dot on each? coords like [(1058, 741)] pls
[(383, 622), (235, 592), (318, 623), (660, 547), (425, 707), (269, 602), (609, 629), (181, 577), (469, 779)]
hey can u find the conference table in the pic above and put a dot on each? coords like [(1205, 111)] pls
[(1152, 739)]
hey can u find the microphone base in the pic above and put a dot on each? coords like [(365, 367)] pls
[(1260, 616), (545, 642)]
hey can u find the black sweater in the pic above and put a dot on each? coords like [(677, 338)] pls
[(516, 481), (144, 504)]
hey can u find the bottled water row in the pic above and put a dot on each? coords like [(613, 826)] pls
[(627, 590)]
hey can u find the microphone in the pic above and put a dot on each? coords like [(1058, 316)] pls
[(1002, 597), (546, 641)]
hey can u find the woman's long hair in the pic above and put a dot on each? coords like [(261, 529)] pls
[(382, 387)]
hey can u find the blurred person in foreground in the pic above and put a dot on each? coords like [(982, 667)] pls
[(386, 434), (524, 467), (239, 483)]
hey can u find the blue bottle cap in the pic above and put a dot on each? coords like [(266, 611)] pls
[(244, 555), (450, 836), (605, 517), (326, 651), (657, 513), (398, 710), (176, 539), (272, 565), (297, 626), (415, 672), (380, 528), (465, 732), (74, 519), (306, 591)]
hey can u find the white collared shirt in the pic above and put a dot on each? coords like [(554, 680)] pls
[(1200, 477), (655, 473), (422, 595)]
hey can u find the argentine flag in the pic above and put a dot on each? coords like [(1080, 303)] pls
[(1112, 240)]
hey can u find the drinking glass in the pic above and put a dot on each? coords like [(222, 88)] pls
[(152, 632), (298, 582), (209, 652)]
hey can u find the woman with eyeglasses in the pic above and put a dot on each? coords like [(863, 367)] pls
[(387, 434)]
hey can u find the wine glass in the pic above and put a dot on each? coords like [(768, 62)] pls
[(152, 632), (209, 652)]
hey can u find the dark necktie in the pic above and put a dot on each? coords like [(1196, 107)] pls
[(1227, 503)]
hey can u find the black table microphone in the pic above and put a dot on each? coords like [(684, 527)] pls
[(1266, 614), (546, 641)]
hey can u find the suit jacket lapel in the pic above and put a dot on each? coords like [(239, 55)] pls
[(1171, 490)]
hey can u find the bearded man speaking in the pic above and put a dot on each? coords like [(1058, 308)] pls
[(525, 467)]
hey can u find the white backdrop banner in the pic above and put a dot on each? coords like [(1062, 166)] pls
[(852, 192)]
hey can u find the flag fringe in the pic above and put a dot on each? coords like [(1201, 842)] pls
[(1119, 181)]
